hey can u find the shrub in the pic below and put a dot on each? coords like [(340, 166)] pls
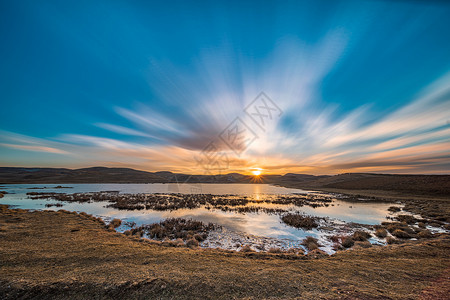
[(401, 234), (348, 242), (116, 223), (381, 233), (299, 221), (361, 235)]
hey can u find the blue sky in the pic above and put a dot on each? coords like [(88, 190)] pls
[(363, 86)]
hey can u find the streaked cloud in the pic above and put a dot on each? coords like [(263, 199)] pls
[(152, 91), (34, 148)]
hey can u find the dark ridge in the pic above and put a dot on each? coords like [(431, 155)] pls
[(414, 184)]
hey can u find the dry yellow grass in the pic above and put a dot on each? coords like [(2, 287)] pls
[(63, 255)]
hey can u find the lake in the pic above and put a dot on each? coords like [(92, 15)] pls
[(257, 228)]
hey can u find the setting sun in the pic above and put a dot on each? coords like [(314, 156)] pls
[(256, 172)]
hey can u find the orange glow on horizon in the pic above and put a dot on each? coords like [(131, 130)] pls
[(256, 171)]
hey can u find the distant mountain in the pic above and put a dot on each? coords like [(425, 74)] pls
[(126, 175), (85, 175), (109, 175), (438, 185), (413, 184)]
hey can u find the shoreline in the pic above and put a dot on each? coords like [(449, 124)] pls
[(46, 253), (332, 237)]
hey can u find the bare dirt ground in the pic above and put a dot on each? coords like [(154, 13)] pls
[(60, 255)]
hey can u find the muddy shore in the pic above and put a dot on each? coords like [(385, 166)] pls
[(45, 254)]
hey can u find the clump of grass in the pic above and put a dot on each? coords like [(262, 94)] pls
[(174, 228), (363, 244), (101, 221), (246, 248), (381, 233), (300, 221), (335, 238), (316, 253), (179, 242), (394, 209), (200, 237), (425, 234), (421, 224), (116, 223), (361, 235), (337, 247), (348, 242), (53, 204), (406, 219), (401, 234), (138, 231), (296, 251), (310, 243), (168, 243), (391, 227), (83, 214), (390, 240), (275, 250)]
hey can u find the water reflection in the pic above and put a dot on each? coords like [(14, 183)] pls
[(257, 224)]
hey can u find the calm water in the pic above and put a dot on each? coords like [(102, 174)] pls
[(256, 224)]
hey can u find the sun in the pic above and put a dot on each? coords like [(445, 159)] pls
[(256, 171)]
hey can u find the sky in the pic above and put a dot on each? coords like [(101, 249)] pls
[(209, 87)]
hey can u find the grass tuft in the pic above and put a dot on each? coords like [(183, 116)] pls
[(116, 223), (391, 240), (360, 235), (310, 243), (381, 233), (348, 242), (275, 250), (300, 221), (247, 248), (425, 234), (401, 234)]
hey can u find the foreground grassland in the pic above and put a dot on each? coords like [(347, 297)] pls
[(56, 255)]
